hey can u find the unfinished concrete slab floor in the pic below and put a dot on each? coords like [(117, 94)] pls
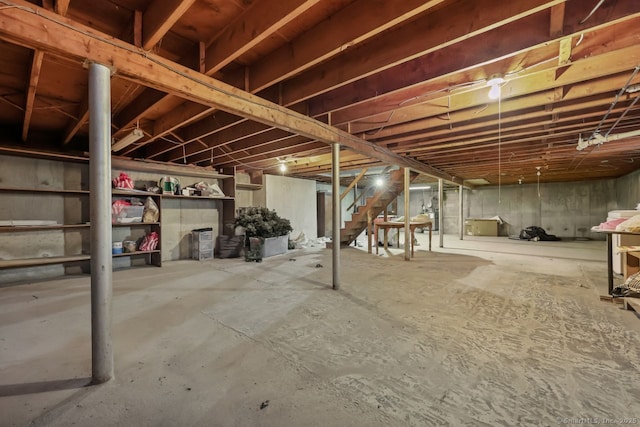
[(454, 337)]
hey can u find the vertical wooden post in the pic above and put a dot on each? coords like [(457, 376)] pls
[(369, 231)]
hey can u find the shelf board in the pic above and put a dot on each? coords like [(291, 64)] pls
[(121, 192), (165, 168), (42, 190), (32, 262), (156, 251), (248, 186), (12, 228), (174, 196), (133, 224)]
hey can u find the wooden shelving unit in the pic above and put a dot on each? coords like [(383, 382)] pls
[(69, 239)]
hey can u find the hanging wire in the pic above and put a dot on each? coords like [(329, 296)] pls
[(499, 146)]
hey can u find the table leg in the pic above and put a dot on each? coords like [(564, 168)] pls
[(385, 231), (430, 237), (610, 263), (413, 239), (375, 236)]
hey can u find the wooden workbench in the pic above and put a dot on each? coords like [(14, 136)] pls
[(385, 225)]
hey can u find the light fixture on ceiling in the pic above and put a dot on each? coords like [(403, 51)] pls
[(495, 83), (379, 182), (282, 167), (421, 187), (129, 139)]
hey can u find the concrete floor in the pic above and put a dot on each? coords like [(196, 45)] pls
[(512, 335)]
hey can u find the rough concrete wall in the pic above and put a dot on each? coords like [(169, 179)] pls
[(294, 199), (563, 209), (28, 173), (628, 191)]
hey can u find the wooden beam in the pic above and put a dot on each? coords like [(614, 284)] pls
[(33, 26), (353, 183), (36, 66), (564, 54), (62, 6), (437, 31), (158, 19), (265, 18), (579, 71), (137, 27), (74, 126), (556, 24), (256, 24), (359, 21), (528, 45)]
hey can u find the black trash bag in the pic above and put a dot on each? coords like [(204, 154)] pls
[(630, 287), (537, 233)]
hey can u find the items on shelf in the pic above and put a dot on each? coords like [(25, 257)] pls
[(123, 181), (151, 212), (149, 242)]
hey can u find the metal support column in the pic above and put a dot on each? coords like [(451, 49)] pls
[(337, 220), (440, 210), (461, 220), (407, 217), (100, 200)]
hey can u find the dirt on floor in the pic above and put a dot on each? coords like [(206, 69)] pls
[(511, 335)]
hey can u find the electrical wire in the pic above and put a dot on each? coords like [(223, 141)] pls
[(499, 145), (592, 12)]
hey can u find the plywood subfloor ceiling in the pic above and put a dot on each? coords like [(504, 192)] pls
[(257, 83)]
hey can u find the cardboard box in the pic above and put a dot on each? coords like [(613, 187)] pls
[(481, 227)]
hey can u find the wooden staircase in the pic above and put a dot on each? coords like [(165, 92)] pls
[(375, 204)]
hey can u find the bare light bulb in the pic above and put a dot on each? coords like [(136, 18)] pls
[(494, 83), (283, 167), (379, 182)]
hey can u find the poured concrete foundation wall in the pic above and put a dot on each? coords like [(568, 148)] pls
[(27, 173), (295, 200), (564, 209), (178, 216), (628, 191)]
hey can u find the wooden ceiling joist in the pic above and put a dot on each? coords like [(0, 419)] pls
[(37, 28)]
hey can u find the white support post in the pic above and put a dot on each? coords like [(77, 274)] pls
[(461, 217), (100, 200), (440, 211), (337, 220), (408, 243)]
